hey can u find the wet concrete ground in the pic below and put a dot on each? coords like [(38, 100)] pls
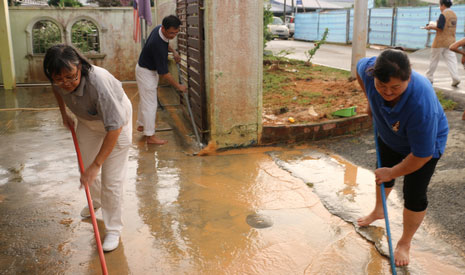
[(272, 210), (445, 217)]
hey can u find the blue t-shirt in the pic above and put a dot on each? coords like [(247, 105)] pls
[(154, 55), (416, 124)]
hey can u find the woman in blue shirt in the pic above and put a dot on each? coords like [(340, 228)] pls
[(412, 135)]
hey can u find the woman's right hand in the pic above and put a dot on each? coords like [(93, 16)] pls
[(68, 121)]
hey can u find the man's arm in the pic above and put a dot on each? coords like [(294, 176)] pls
[(439, 24), (433, 28), (456, 47), (176, 56), (168, 77)]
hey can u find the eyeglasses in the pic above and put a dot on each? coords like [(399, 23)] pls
[(67, 79)]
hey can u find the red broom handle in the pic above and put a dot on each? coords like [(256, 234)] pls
[(91, 206)]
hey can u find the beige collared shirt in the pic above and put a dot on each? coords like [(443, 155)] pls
[(99, 96)]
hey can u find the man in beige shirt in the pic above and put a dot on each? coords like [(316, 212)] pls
[(445, 36)]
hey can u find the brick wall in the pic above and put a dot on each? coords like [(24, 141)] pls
[(309, 132)]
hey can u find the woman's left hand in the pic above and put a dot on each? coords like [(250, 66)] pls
[(383, 174), (89, 175)]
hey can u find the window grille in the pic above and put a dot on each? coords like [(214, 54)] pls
[(85, 36), (45, 34)]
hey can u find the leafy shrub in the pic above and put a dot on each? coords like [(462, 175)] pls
[(267, 19), (45, 34), (64, 3), (14, 3), (85, 36)]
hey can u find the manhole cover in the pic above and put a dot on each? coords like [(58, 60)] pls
[(259, 221)]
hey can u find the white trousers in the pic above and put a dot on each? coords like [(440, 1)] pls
[(449, 57), (147, 84), (107, 189)]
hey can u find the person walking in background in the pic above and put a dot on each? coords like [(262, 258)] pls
[(445, 35), (103, 130), (458, 47), (153, 62), (412, 134)]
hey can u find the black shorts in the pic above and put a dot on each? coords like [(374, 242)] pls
[(415, 184)]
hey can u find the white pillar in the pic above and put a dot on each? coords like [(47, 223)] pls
[(359, 37), (234, 71), (163, 9), (6, 48)]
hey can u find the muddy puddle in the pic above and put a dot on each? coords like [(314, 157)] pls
[(347, 191)]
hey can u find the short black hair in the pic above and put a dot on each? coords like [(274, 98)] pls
[(391, 63), (447, 3), (171, 21), (61, 56)]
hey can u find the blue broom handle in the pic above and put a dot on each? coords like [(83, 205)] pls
[(383, 196)]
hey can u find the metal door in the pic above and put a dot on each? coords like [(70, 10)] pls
[(191, 48)]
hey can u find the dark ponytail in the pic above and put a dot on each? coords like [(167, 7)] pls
[(391, 63)]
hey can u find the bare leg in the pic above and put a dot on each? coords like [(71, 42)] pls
[(412, 220), (155, 140), (463, 116), (140, 128), (378, 212)]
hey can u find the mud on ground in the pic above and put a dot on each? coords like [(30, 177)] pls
[(307, 93)]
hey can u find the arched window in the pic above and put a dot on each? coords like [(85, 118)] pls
[(45, 34), (85, 36)]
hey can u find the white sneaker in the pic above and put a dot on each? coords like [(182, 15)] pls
[(85, 213), (111, 242)]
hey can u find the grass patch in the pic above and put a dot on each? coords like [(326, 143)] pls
[(447, 104), (273, 82)]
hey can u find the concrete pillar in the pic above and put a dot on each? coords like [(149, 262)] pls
[(163, 9), (6, 48), (359, 37), (234, 71)]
